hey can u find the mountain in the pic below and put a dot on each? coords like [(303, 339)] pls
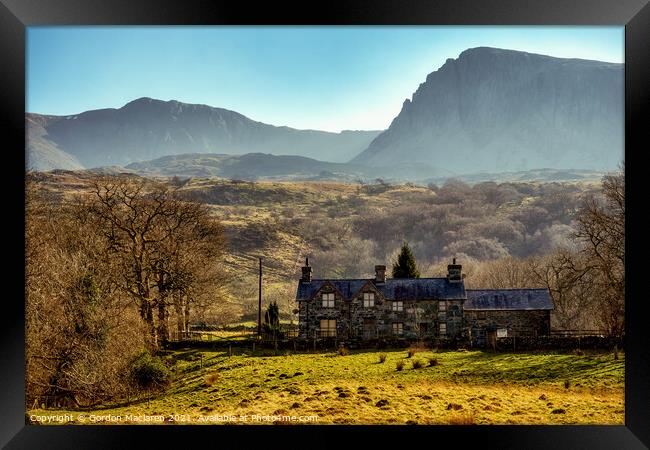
[(253, 166), (43, 154), (503, 110), (146, 128)]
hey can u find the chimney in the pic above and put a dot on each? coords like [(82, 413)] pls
[(454, 272), (380, 274), (306, 272)]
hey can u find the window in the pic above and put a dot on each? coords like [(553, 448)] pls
[(454, 311), (368, 299), (328, 300), (398, 306), (442, 306), (443, 329), (482, 315), (328, 328), (398, 327)]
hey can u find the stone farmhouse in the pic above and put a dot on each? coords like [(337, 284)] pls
[(438, 308)]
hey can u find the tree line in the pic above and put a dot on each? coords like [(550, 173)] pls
[(107, 274)]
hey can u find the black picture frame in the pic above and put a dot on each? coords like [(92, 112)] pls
[(16, 15)]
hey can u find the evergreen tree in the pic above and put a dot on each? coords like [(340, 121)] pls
[(272, 318), (405, 266)]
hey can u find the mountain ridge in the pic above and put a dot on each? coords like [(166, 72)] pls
[(488, 110), (147, 128), (501, 109)]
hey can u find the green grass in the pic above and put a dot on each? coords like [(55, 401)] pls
[(464, 387)]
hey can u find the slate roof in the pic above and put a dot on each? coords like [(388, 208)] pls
[(507, 299), (392, 289)]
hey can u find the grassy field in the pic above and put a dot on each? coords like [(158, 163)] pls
[(463, 387)]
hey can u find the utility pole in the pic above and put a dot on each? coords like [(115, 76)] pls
[(259, 305)]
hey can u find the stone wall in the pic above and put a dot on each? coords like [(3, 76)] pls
[(518, 323), (558, 343), (311, 312), (419, 319)]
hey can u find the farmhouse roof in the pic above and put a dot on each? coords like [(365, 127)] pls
[(391, 289), (507, 299)]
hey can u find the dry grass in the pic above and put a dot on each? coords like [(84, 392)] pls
[(465, 418), (212, 378)]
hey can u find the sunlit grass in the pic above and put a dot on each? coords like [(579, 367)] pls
[(464, 387)]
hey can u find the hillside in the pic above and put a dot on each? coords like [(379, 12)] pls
[(147, 128), (346, 228), (263, 166), (503, 110), (42, 153)]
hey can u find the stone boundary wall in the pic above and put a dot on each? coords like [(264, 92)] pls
[(508, 344), (558, 343)]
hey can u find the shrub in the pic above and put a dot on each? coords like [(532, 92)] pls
[(382, 357), (211, 378), (433, 361), (413, 350), (566, 384), (417, 364), (148, 371), (344, 351), (400, 365)]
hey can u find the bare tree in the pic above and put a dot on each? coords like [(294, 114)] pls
[(80, 332), (159, 243), (568, 278), (601, 227)]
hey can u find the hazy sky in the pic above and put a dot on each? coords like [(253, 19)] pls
[(326, 78)]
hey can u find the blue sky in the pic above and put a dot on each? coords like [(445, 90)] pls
[(326, 78)]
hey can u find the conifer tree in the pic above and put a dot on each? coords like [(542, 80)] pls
[(272, 318), (405, 266)]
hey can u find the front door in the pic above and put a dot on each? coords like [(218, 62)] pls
[(369, 328), (492, 339)]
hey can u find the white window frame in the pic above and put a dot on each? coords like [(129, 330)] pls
[(398, 328), (442, 306), (329, 330), (328, 299), (398, 306), (442, 329), (368, 299)]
